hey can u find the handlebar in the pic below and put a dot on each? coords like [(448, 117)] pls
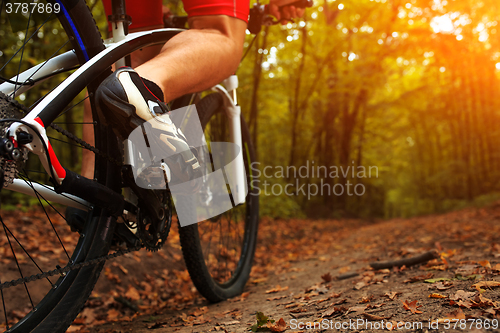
[(259, 14)]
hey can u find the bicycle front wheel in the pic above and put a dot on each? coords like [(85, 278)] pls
[(35, 237), (219, 252)]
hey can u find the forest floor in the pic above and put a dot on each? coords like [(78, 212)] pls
[(295, 282)]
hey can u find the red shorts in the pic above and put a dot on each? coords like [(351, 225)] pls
[(150, 16), (234, 8)]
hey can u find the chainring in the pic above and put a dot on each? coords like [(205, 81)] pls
[(154, 233)]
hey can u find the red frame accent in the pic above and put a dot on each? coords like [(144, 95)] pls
[(58, 168)]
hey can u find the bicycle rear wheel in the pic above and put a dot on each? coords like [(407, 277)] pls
[(36, 240), (219, 252)]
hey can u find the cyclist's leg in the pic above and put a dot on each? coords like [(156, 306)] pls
[(192, 61), (137, 58), (144, 19), (199, 58), (88, 157)]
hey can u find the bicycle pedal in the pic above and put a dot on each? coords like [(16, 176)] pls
[(153, 176)]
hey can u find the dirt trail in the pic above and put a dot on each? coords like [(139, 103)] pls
[(294, 262)]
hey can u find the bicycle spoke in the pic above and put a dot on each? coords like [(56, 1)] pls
[(15, 259), (219, 250), (44, 63), (22, 47), (38, 196), (37, 171), (92, 123), (66, 142), (22, 53), (209, 242), (45, 241), (26, 252), (47, 187), (46, 201), (3, 303), (71, 107)]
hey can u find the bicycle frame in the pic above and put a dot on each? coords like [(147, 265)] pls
[(52, 105)]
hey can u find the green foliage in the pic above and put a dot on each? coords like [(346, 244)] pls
[(409, 87), (282, 205), (261, 322)]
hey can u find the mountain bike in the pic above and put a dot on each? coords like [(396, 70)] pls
[(49, 268)]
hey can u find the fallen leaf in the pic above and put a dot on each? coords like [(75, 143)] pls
[(277, 289), (469, 277), (357, 308), (322, 290), (445, 285), (485, 264), (412, 306), (482, 301), (436, 280), (113, 314), (419, 278), (438, 268), (335, 295), (88, 315), (360, 285), (374, 317), (366, 299), (377, 305), (123, 269), (199, 312), (244, 296), (279, 326), (462, 295), (392, 295), (457, 314), (133, 294), (487, 284), (463, 304), (344, 270), (340, 301), (393, 326), (327, 277), (330, 311), (262, 320), (465, 270)]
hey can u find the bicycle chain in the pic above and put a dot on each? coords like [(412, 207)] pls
[(66, 269), (71, 266), (85, 145)]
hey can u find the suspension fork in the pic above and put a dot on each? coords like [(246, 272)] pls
[(235, 171)]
